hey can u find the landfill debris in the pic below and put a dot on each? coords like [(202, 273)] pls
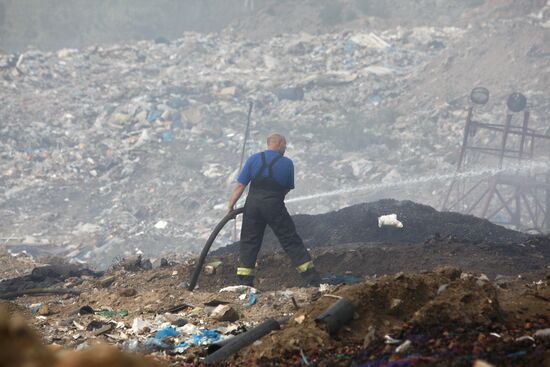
[(544, 333), (118, 155), (139, 325), (111, 314), (239, 289), (225, 313), (371, 85), (44, 310), (336, 316), (211, 267), (389, 220), (189, 331), (404, 348), (252, 298)]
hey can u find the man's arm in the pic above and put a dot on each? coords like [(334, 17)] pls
[(290, 182), (236, 195)]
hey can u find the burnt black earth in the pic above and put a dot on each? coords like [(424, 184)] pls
[(359, 224)]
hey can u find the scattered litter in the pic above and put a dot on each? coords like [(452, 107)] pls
[(404, 348), (239, 289), (111, 314), (139, 325), (389, 220), (161, 224), (389, 340)]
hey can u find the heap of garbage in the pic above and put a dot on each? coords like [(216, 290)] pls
[(432, 317), (113, 149)]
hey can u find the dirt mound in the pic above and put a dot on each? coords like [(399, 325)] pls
[(429, 318), (388, 303), (370, 259), (359, 224)]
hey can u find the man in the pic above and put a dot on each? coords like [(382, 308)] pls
[(271, 177)]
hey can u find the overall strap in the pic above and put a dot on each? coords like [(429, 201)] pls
[(273, 163), (264, 164)]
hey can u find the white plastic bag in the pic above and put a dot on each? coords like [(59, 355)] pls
[(389, 220)]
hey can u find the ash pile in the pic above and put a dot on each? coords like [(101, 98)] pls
[(421, 223)]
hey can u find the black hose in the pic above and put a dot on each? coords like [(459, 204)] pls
[(231, 215), (240, 341)]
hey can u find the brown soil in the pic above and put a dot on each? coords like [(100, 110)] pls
[(372, 259), (413, 306)]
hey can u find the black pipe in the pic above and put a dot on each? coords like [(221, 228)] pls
[(219, 344), (242, 340), (231, 215), (337, 315)]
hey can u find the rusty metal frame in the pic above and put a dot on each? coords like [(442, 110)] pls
[(524, 200)]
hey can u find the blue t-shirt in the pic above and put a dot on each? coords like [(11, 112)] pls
[(283, 170)]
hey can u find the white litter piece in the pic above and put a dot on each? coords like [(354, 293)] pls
[(543, 333), (389, 220), (524, 338), (369, 40), (377, 70), (404, 348), (324, 287), (239, 289), (161, 224), (389, 340), (139, 324), (189, 329)]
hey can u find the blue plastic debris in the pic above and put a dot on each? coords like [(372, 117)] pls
[(375, 99), (350, 46), (154, 115), (167, 136), (205, 337), (516, 354), (35, 308), (252, 298), (167, 331)]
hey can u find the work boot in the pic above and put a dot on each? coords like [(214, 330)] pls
[(245, 280), (311, 277)]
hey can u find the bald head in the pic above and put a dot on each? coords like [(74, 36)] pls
[(276, 142)]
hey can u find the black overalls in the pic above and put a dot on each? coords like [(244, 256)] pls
[(265, 205)]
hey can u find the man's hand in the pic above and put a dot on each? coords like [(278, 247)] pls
[(235, 196)]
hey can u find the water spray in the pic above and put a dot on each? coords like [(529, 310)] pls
[(425, 179)]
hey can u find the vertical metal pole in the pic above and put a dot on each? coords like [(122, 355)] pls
[(516, 219), (465, 138), (547, 214), (504, 139), (461, 158), (492, 189), (250, 105), (523, 133)]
